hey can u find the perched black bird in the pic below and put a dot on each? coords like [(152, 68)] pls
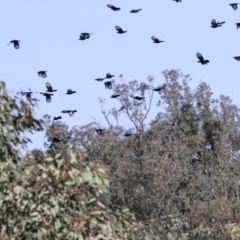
[(201, 59), (99, 79), (108, 84), (56, 140), (48, 96), (70, 112), (234, 5), (42, 74), (135, 10), (216, 24), (127, 134), (70, 91), (99, 131), (115, 95), (57, 118), (156, 40), (113, 8), (49, 87), (119, 30), (177, 0), (121, 108), (238, 25), (137, 98), (158, 89), (27, 94), (15, 43), (109, 75), (237, 58), (84, 36)]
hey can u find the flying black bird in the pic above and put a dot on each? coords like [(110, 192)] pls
[(237, 58), (109, 75), (70, 112), (15, 43), (238, 25), (99, 79), (156, 40), (49, 87), (135, 10), (119, 30), (113, 8), (108, 84), (48, 96), (56, 140), (27, 94), (216, 24), (84, 36), (201, 59), (99, 131), (42, 74), (158, 89), (115, 95), (57, 118), (137, 98), (127, 134), (177, 0), (70, 91), (234, 5)]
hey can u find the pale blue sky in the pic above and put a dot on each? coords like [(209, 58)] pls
[(49, 32)]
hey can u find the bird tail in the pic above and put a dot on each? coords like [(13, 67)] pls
[(222, 22)]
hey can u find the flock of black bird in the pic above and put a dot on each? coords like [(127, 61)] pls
[(108, 84)]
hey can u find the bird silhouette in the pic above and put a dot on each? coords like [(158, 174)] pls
[(15, 43), (55, 140), (84, 36), (70, 91), (238, 25), (156, 40), (57, 118), (216, 24), (108, 84), (109, 75), (201, 59), (234, 5), (42, 74), (70, 112), (137, 98), (27, 94), (99, 79), (135, 10), (158, 89), (127, 134), (115, 95), (48, 96), (237, 58), (99, 131), (177, 1), (49, 87), (119, 30), (113, 7)]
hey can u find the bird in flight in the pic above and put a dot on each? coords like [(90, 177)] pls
[(84, 36), (234, 5), (156, 40), (135, 10), (158, 89), (127, 134), (57, 118), (27, 94), (119, 30), (216, 24), (238, 25), (70, 91), (49, 87), (99, 79), (113, 7), (177, 0), (42, 74), (70, 112), (201, 59), (115, 95), (137, 98), (15, 43), (237, 58), (48, 96), (108, 84)]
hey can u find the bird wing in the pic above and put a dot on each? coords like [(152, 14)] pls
[(110, 6), (48, 86), (118, 29), (65, 111), (154, 38), (200, 57)]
